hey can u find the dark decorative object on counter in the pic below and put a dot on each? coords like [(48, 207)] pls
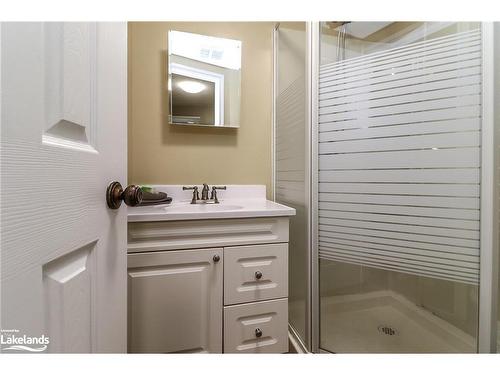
[(150, 199)]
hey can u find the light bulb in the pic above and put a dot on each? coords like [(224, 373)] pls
[(191, 87)]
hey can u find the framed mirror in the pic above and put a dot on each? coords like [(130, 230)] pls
[(204, 80)]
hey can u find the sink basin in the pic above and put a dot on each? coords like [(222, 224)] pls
[(193, 208)]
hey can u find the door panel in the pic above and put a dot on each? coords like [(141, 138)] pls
[(63, 113), (70, 84), (68, 284)]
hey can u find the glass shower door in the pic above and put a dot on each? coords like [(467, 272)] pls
[(399, 186)]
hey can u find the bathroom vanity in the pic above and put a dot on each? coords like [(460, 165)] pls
[(209, 277)]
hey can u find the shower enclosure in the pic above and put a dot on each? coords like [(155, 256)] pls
[(386, 145)]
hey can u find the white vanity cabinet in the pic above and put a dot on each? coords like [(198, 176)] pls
[(208, 286)]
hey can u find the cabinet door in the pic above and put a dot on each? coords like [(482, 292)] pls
[(175, 301)]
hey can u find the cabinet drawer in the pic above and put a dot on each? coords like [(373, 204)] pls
[(255, 273), (259, 327)]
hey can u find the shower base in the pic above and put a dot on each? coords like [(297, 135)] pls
[(386, 322)]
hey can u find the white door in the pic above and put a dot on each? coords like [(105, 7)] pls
[(63, 139)]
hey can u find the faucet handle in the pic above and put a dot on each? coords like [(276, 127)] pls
[(213, 195), (218, 187), (196, 195)]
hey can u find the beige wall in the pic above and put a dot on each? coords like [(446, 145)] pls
[(159, 153)]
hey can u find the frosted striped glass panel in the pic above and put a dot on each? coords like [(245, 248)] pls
[(290, 146), (399, 159), (290, 163)]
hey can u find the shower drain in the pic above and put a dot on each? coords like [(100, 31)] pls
[(387, 330)]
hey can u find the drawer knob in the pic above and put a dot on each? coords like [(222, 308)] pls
[(258, 332), (258, 275), (216, 258)]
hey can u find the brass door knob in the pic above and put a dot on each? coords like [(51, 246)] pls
[(132, 195)]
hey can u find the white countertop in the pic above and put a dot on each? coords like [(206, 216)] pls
[(238, 201)]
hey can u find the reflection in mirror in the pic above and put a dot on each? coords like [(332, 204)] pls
[(204, 80)]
